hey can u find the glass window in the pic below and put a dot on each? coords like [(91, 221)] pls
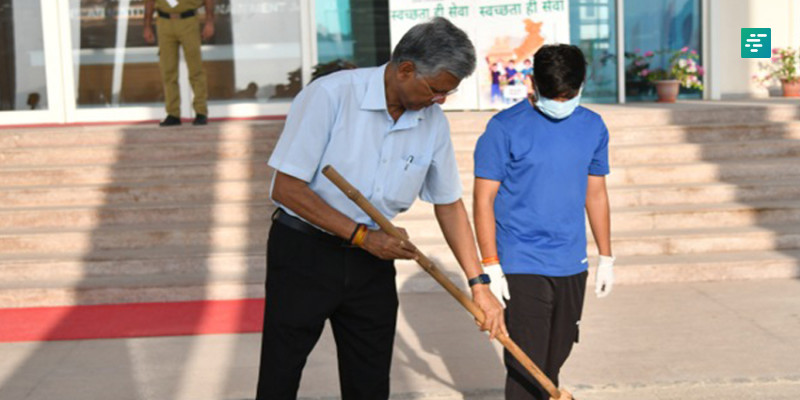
[(366, 43), (262, 52), (593, 29), (254, 55), (23, 84), (654, 31), (112, 66)]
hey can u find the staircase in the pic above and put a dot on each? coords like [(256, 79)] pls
[(114, 214)]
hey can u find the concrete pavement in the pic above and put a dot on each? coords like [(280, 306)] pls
[(722, 340)]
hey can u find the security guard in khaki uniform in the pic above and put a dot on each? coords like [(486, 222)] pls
[(177, 26)]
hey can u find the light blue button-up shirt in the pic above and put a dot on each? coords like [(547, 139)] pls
[(342, 120)]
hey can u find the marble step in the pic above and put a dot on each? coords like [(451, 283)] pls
[(187, 277), (137, 154), (646, 114), (673, 134), (419, 221), (119, 136), (638, 155), (207, 171), (125, 135), (236, 226), (30, 200)]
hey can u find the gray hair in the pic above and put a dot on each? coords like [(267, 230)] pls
[(434, 46)]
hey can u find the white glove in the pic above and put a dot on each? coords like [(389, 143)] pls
[(498, 284), (604, 280)]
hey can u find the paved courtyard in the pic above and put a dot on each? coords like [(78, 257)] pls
[(704, 341)]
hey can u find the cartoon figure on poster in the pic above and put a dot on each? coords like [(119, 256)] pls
[(511, 34)]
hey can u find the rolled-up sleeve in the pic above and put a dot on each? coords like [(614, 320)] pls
[(442, 181), (306, 133)]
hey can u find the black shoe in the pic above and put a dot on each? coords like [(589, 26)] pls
[(200, 119), (170, 121)]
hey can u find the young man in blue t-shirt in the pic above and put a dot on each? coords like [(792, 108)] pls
[(538, 165)]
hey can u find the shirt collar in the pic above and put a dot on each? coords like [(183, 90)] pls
[(375, 100)]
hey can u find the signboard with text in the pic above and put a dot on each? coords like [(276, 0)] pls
[(505, 33)]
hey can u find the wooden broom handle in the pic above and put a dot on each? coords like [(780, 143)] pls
[(443, 280)]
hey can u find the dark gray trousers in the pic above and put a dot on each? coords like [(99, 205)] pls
[(543, 318)]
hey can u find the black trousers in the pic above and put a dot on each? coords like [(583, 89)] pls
[(543, 318), (310, 281)]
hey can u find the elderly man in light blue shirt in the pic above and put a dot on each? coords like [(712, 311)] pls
[(383, 130)]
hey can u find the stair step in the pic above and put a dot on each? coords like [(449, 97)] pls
[(623, 195), (644, 269), (123, 135), (701, 172), (27, 201), (420, 219), (671, 242), (642, 115), (220, 170), (684, 153), (136, 154), (161, 192), (672, 134), (206, 277), (236, 227), (701, 193)]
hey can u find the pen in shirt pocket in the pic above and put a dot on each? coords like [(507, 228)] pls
[(408, 162)]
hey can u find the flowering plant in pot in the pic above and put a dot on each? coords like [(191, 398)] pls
[(638, 64), (684, 70), (783, 67)]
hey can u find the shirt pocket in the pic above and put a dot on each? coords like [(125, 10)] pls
[(404, 184)]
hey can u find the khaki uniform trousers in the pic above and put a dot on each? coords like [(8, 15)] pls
[(186, 33)]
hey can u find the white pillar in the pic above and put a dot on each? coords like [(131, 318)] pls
[(620, 4)]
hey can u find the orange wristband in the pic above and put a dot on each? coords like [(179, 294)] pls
[(358, 240), (490, 260)]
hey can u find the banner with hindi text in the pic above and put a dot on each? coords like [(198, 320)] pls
[(506, 34)]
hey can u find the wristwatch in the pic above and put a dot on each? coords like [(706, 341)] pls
[(480, 279)]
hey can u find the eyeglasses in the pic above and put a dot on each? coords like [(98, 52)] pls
[(438, 95)]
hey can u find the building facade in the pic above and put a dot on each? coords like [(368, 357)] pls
[(82, 61)]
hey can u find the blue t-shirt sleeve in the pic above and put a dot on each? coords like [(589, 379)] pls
[(492, 152), (306, 133), (599, 165), (442, 182)]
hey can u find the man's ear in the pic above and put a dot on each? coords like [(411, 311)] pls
[(406, 70)]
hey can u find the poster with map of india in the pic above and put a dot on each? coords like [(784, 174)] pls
[(505, 34)]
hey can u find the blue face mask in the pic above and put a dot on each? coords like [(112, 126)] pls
[(557, 109)]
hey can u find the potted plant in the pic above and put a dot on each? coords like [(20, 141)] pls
[(782, 67), (636, 82), (684, 70)]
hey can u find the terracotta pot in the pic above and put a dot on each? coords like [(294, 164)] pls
[(667, 90), (791, 89)]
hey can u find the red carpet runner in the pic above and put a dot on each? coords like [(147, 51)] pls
[(131, 320)]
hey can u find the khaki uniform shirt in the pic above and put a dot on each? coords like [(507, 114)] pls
[(183, 5)]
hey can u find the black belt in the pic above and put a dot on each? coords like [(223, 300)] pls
[(183, 15), (304, 227)]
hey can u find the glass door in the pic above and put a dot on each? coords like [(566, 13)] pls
[(258, 59), (655, 31), (111, 73), (29, 75)]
